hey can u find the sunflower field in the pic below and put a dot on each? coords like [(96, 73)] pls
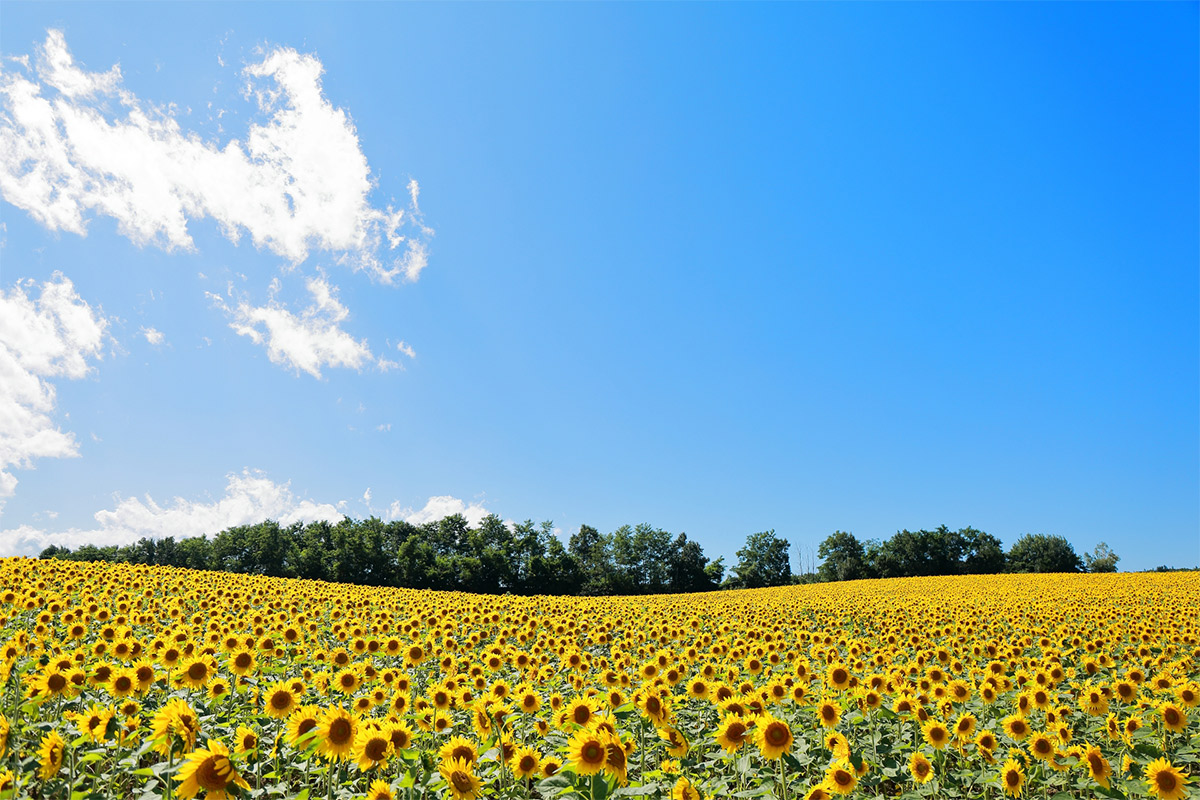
[(121, 681)]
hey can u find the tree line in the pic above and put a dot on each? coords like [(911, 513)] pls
[(496, 557), (491, 558), (942, 551)]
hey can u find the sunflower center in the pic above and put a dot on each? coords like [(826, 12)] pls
[(375, 749), (281, 700), (197, 671), (56, 683), (1012, 777), (527, 763), (593, 753), (339, 731), (842, 777), (736, 732), (213, 772), (461, 781), (777, 734), (1166, 782)]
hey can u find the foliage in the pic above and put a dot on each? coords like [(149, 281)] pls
[(1102, 559), (762, 561), (1043, 553), (493, 558)]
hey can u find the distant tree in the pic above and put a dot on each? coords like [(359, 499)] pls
[(688, 568), (1102, 559), (590, 550), (1043, 553), (983, 553), (54, 551), (763, 561), (843, 557)]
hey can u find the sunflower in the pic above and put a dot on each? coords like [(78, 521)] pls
[(336, 729), (678, 745), (684, 790), (921, 769), (1016, 727), (837, 743), (458, 748), (93, 723), (964, 727), (175, 718), (1165, 781), (5, 727), (218, 688), (551, 766), (1097, 765), (579, 711), (528, 700), (818, 792), (372, 747), (461, 779), (241, 662), (936, 733), (209, 769), (301, 722), (123, 683), (380, 790), (145, 674), (246, 741), (52, 683), (837, 676), (401, 736), (1042, 746), (773, 736), (840, 777), (654, 707), (829, 713), (587, 752), (347, 681), (525, 762), (732, 733), (616, 760), (50, 755), (280, 700), (196, 671), (1173, 717), (1012, 778)]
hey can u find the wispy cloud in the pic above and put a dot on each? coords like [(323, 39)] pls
[(436, 508), (56, 335), (250, 497), (307, 341), (76, 144), (153, 335)]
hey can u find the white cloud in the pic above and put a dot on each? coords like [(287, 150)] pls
[(54, 336), (76, 144), (250, 497), (367, 496), (436, 508), (384, 427), (405, 348), (153, 336), (306, 341)]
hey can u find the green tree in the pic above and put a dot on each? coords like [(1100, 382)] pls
[(1043, 553), (763, 561), (590, 550), (1102, 559), (843, 558)]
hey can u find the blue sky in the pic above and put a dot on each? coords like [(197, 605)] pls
[(720, 268)]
